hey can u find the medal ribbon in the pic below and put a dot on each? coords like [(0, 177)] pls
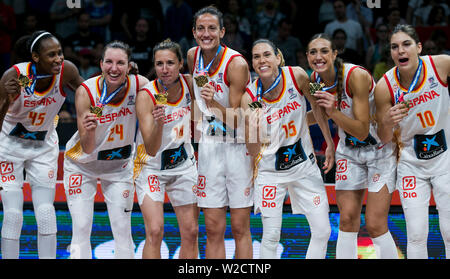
[(260, 94), (400, 95), (332, 86), (106, 99), (34, 78), (201, 66)]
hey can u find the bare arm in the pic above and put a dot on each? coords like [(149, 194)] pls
[(190, 60), (9, 89), (142, 81), (251, 120), (151, 121), (319, 115), (86, 121), (360, 83), (238, 77), (71, 75), (442, 63), (387, 115)]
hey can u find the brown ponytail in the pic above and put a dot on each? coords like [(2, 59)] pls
[(339, 63)]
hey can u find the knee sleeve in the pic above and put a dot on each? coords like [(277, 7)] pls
[(271, 229), (12, 224), (271, 237), (416, 224), (46, 219), (417, 232), (121, 229), (319, 224), (82, 214)]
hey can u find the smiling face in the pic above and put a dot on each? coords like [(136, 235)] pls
[(207, 31), (50, 57), (320, 55), (167, 66), (405, 51), (265, 62), (115, 66)]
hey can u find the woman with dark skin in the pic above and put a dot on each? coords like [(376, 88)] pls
[(31, 95)]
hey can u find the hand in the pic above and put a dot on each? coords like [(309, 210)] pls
[(329, 158), (159, 114), (90, 122), (134, 69), (326, 101), (395, 114), (207, 93), (12, 88)]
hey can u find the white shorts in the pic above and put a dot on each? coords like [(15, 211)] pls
[(179, 188), (80, 181), (360, 168), (416, 191), (307, 194), (39, 159), (224, 176)]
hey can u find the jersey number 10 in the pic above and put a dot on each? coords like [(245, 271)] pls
[(426, 119)]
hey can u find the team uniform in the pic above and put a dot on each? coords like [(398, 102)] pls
[(288, 162), (423, 138), (362, 164), (28, 139), (111, 161), (173, 168), (224, 166)]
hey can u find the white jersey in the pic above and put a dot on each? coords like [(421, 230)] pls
[(425, 133), (212, 128), (290, 151), (346, 140), (176, 154), (34, 117), (116, 128)]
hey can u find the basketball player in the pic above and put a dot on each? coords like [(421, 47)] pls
[(103, 148), (225, 177), (165, 157), (285, 161), (31, 95), (413, 111), (362, 160)]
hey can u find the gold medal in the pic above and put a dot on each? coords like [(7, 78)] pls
[(161, 98), (24, 81), (255, 105), (314, 87), (407, 104), (201, 80), (97, 111)]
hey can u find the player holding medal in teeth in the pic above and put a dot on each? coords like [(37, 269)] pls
[(31, 95), (224, 169), (362, 160), (286, 162), (413, 111), (103, 148), (165, 157)]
